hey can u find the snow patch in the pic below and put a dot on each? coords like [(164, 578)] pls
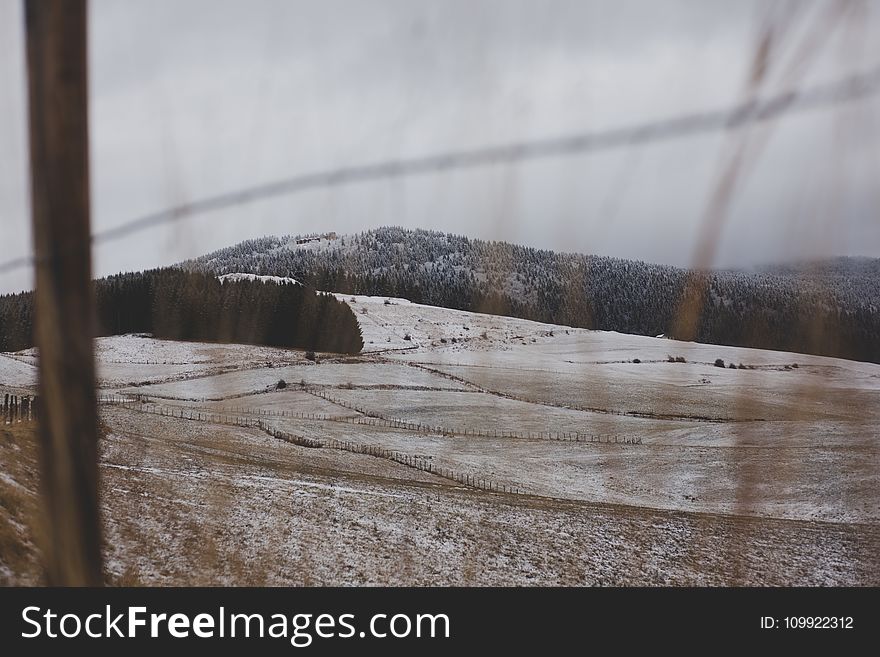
[(278, 280)]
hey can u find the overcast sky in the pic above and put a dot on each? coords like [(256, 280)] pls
[(191, 98)]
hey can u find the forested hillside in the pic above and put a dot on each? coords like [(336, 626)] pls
[(830, 308), (178, 305)]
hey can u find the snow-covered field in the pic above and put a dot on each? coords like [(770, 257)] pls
[(261, 379), (784, 448), (17, 372), (387, 321), (236, 507), (127, 360)]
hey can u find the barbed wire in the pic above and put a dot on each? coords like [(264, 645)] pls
[(851, 88)]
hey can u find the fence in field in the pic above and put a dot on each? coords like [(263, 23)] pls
[(474, 481), (17, 409), (408, 460), (373, 419), (586, 409), (153, 362)]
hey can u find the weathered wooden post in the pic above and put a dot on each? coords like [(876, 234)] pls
[(64, 307)]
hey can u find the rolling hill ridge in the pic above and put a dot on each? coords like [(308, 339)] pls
[(829, 308)]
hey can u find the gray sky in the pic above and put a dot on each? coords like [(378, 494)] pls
[(192, 98)]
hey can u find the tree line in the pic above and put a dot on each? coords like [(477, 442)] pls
[(174, 304)]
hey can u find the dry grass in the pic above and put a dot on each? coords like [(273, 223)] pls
[(21, 530), (187, 503), (19, 506)]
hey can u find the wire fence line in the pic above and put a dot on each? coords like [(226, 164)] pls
[(424, 429), (584, 409), (419, 463), (855, 87), (373, 418)]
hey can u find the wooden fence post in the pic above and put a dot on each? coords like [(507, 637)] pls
[(64, 304)]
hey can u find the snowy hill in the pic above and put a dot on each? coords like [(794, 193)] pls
[(830, 308)]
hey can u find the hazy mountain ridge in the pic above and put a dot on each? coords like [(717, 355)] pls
[(830, 307)]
